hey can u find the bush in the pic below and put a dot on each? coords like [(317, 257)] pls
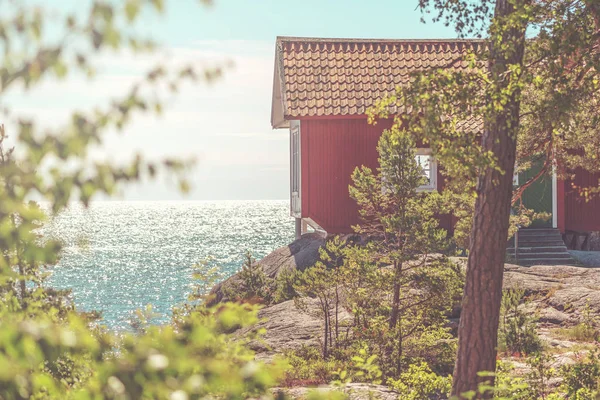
[(285, 283), (306, 366), (540, 375), (581, 380), (420, 382), (507, 386), (517, 333), (252, 285)]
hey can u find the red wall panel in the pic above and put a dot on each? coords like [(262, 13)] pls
[(331, 150), (582, 215)]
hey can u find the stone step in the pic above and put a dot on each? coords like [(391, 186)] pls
[(561, 256), (540, 246), (535, 249), (539, 230), (543, 243), (540, 237), (527, 262)]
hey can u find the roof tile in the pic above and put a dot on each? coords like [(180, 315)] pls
[(346, 76)]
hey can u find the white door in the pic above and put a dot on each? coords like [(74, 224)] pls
[(295, 169)]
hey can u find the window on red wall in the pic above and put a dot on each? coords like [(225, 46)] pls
[(429, 166)]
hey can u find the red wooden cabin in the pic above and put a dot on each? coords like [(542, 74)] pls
[(321, 91)]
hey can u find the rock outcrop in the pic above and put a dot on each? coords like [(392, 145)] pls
[(298, 255), (558, 293), (288, 327)]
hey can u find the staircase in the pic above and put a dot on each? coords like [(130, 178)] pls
[(540, 246)]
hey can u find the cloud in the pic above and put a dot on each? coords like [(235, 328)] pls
[(224, 124)]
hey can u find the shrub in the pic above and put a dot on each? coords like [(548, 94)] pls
[(540, 375), (306, 366), (581, 380), (517, 333), (285, 283), (252, 284), (420, 382), (507, 386)]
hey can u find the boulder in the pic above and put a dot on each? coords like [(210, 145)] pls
[(288, 327), (298, 255)]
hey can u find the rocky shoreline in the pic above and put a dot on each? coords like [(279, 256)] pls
[(556, 295)]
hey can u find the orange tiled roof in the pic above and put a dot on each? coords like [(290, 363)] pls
[(327, 77)]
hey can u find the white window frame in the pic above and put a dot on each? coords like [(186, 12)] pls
[(295, 169), (433, 166)]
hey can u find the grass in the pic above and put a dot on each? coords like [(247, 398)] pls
[(575, 348), (580, 333), (552, 291)]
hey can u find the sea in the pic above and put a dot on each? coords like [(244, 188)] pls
[(119, 257)]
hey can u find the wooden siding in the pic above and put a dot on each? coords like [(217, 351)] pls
[(582, 215), (331, 150)]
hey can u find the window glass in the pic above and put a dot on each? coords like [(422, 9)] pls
[(429, 166), (426, 163)]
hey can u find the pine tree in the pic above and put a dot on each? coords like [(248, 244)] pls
[(397, 219)]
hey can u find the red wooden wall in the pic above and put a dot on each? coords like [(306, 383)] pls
[(331, 150), (581, 215)]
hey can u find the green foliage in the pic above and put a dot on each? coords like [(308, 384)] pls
[(307, 367), (517, 332), (393, 212), (285, 285), (535, 99), (360, 286), (324, 284), (506, 385), (252, 284), (419, 382), (401, 230), (365, 368), (47, 349), (201, 357), (581, 380), (205, 277), (581, 332), (540, 375), (586, 330)]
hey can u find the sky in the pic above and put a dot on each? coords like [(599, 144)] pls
[(224, 125)]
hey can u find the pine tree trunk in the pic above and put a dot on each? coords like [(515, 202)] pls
[(326, 333), (400, 349), (396, 294), (478, 328), (337, 321)]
